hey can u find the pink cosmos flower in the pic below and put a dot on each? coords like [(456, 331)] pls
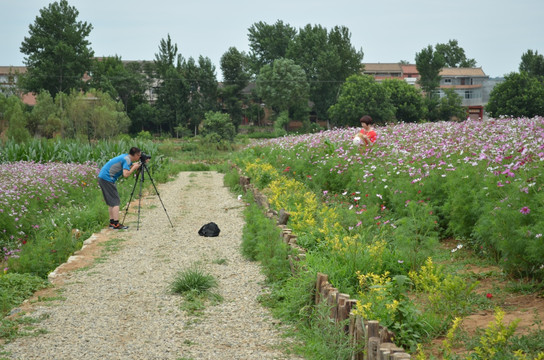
[(525, 210)]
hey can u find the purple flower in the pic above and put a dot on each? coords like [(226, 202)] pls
[(525, 210)]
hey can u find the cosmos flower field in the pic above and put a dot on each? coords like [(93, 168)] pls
[(478, 182), (29, 191)]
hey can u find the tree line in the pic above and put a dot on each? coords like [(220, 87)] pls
[(295, 72)]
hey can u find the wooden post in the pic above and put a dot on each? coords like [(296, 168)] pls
[(322, 279), (373, 329), (373, 347), (325, 291), (385, 351), (341, 312), (360, 336), (332, 302), (372, 332)]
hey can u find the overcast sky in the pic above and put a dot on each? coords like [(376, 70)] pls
[(493, 32)]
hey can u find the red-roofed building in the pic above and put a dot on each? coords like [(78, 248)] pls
[(469, 83), (8, 81)]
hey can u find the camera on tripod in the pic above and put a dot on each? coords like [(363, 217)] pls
[(140, 179), (144, 157)]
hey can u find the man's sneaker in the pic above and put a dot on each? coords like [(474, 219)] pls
[(118, 226)]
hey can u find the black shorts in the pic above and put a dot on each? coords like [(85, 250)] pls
[(109, 190)]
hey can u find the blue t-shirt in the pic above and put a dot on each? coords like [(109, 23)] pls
[(114, 168)]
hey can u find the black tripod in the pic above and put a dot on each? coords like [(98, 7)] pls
[(140, 175)]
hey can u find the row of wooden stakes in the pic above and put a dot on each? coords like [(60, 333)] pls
[(371, 340)]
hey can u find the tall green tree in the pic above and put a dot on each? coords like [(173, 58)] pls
[(454, 55), (328, 58), (428, 64), (519, 95), (282, 85), (236, 76), (532, 63), (203, 89), (57, 50), (268, 43), (361, 95), (110, 75), (167, 57), (407, 99), (173, 101)]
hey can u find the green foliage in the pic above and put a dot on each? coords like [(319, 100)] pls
[(196, 286), (204, 91), (167, 58), (325, 339), (193, 279), (408, 101), (268, 43), (111, 76), (14, 288), (282, 85), (532, 63), (57, 50), (280, 123), (519, 95), (218, 126), (327, 58), (73, 151), (144, 135), (143, 116), (454, 55), (359, 95), (234, 65), (232, 180), (495, 339), (429, 63), (450, 106), (45, 119), (16, 120), (416, 235), (261, 241), (172, 101)]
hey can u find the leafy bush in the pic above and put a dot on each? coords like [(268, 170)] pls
[(14, 288), (217, 126)]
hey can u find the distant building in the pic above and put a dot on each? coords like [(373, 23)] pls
[(8, 83), (381, 71), (468, 83), (472, 84)]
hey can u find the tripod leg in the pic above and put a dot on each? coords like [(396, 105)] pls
[(157, 191), (140, 202), (131, 194)]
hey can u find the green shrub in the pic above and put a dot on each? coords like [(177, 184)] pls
[(218, 126), (14, 288), (261, 241), (193, 280)]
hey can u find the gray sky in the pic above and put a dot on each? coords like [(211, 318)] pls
[(493, 32)]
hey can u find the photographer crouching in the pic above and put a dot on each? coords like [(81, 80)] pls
[(126, 165)]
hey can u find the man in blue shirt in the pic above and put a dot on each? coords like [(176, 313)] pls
[(125, 165)]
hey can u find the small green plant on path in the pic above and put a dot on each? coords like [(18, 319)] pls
[(196, 286)]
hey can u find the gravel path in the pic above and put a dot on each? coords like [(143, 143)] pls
[(121, 308)]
